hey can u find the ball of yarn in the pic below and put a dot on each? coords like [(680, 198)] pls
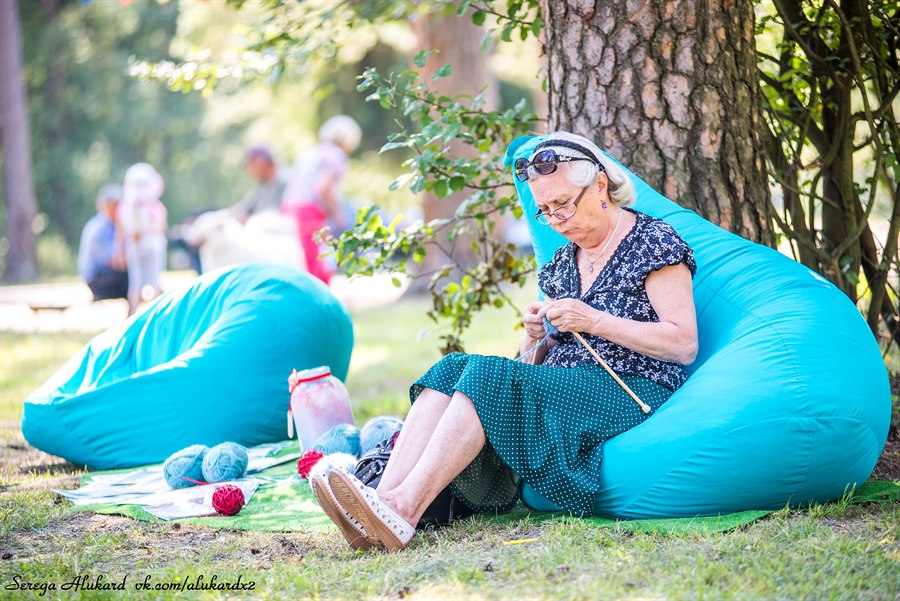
[(342, 438), (307, 461), (185, 467), (378, 429), (344, 461), (226, 461), (228, 499)]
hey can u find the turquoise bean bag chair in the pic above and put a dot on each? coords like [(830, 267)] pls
[(204, 365), (787, 403)]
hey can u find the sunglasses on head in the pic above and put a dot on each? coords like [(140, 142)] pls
[(545, 161)]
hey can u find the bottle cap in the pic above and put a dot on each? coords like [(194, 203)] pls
[(316, 373)]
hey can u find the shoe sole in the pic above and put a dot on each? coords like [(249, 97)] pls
[(351, 534), (357, 506)]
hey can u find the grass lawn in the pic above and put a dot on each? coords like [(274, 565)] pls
[(837, 551)]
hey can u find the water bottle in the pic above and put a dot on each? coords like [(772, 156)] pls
[(319, 401)]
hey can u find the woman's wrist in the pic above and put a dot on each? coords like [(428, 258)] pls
[(596, 328)]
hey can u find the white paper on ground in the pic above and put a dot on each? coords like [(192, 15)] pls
[(147, 486), (197, 500)]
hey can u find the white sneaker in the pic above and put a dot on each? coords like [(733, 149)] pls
[(350, 527), (379, 521)]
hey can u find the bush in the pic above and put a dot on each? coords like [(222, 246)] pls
[(54, 257)]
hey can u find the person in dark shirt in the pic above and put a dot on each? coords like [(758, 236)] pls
[(98, 262), (266, 194)]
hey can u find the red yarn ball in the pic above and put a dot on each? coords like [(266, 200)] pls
[(308, 461), (228, 499)]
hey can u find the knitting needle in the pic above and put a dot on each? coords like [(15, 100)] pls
[(644, 407)]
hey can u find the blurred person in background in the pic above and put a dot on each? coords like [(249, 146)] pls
[(102, 268), (143, 221), (266, 194), (313, 195)]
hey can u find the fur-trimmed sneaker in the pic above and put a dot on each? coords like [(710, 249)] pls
[(380, 522), (351, 528)]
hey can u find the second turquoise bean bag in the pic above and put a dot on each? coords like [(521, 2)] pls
[(205, 365)]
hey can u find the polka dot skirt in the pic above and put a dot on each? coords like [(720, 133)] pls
[(544, 424)]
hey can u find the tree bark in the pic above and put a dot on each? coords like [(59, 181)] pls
[(59, 177), (458, 41), (669, 88), (18, 185)]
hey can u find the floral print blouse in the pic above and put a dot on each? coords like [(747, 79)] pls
[(651, 244)]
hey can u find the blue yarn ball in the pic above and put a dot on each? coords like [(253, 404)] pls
[(342, 438), (226, 461), (186, 463), (378, 429)]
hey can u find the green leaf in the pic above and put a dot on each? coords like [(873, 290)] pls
[(457, 183), (393, 145), (421, 56), (478, 17), (536, 26), (442, 72), (396, 282), (400, 181), (440, 188)]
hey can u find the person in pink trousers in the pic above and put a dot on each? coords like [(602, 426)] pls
[(313, 194)]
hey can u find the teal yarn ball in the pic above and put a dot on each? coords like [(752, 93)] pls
[(226, 461), (342, 438), (378, 429), (184, 464)]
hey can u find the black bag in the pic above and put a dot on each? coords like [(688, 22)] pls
[(442, 511)]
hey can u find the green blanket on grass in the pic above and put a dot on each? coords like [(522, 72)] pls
[(286, 504)]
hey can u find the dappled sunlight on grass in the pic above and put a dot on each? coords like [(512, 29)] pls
[(27, 360)]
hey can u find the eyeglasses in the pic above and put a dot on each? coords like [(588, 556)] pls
[(563, 213), (544, 163)]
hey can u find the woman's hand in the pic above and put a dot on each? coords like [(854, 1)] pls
[(571, 315), (533, 320)]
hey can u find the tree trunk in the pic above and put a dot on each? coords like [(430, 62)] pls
[(59, 177), (18, 186), (458, 41), (669, 88)]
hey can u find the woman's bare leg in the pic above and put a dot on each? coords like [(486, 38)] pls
[(456, 441), (417, 430)]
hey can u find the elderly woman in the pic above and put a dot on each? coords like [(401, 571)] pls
[(479, 423)]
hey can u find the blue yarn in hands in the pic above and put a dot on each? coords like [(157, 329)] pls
[(551, 329), (226, 461), (184, 464)]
